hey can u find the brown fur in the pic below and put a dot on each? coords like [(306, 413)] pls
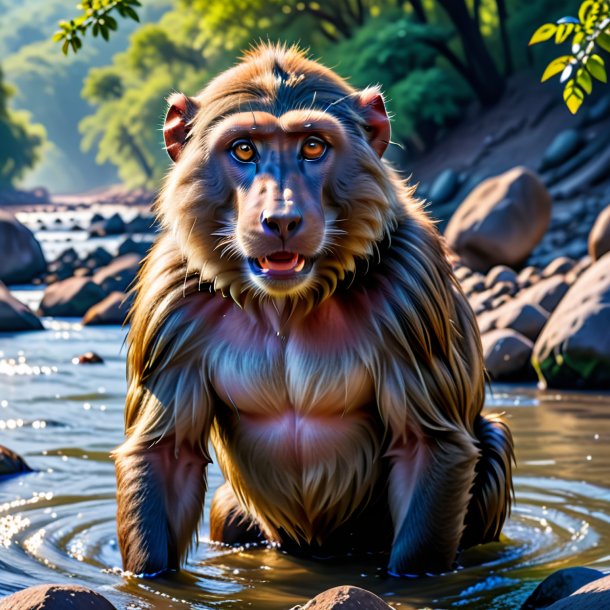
[(375, 359)]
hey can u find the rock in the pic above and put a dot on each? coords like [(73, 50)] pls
[(507, 354), (528, 276), (500, 273), (599, 237), (346, 598), (88, 358), (593, 596), (591, 173), (444, 187), (473, 284), (118, 276), (69, 256), (560, 266), (60, 270), (21, 257), (598, 111), (142, 224), (98, 258), (11, 463), (71, 297), (563, 147), (129, 246), (573, 350), (109, 226), (547, 292), (501, 221), (56, 597), (112, 310), (14, 315), (525, 318), (559, 585)]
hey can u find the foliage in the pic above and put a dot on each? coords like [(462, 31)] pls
[(96, 16), (21, 141), (587, 34)]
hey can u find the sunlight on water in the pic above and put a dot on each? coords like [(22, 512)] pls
[(57, 524)]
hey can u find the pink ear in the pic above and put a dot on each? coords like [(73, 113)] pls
[(177, 127), (378, 124)]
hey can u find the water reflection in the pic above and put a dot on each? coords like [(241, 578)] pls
[(58, 523)]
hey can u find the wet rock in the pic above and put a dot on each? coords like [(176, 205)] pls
[(507, 355), (444, 187), (524, 318), (113, 225), (130, 246), (346, 598), (112, 310), (56, 597), (562, 148), (599, 237), (11, 463), (592, 596), (559, 585), (14, 315), (71, 297), (573, 350), (21, 257), (118, 275), (88, 358), (501, 221)]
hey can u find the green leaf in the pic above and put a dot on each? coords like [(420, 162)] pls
[(111, 22), (603, 40), (65, 47), (132, 13), (555, 67), (544, 32), (95, 30), (595, 65), (563, 32), (584, 81), (104, 32)]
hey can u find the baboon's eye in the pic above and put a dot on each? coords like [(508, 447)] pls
[(244, 151), (313, 148)]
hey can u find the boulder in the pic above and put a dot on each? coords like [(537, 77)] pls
[(130, 246), (573, 350), (558, 585), (11, 463), (100, 257), (507, 354), (119, 275), (21, 257), (525, 318), (71, 297), (599, 237), (592, 596), (14, 315), (546, 293), (346, 598), (112, 310), (563, 147), (500, 273), (501, 221), (142, 224), (56, 597), (444, 187), (560, 266)]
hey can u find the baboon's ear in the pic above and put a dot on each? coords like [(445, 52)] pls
[(378, 124), (177, 125)]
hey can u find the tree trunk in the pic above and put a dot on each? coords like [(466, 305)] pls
[(137, 153), (503, 18), (490, 84), (418, 9)]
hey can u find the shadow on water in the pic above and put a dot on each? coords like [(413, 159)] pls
[(58, 524)]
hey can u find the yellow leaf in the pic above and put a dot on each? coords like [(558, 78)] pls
[(555, 67), (573, 103), (584, 9), (563, 32), (544, 32)]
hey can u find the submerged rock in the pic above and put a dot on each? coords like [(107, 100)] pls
[(501, 221), (559, 585), (11, 463), (573, 350), (56, 597), (88, 358), (14, 315), (346, 598), (21, 257)]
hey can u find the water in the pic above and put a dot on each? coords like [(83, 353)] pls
[(58, 524)]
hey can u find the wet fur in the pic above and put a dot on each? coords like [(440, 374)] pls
[(397, 317)]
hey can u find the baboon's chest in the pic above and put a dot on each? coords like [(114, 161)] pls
[(312, 368)]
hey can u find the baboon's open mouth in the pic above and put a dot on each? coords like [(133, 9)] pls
[(281, 265)]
